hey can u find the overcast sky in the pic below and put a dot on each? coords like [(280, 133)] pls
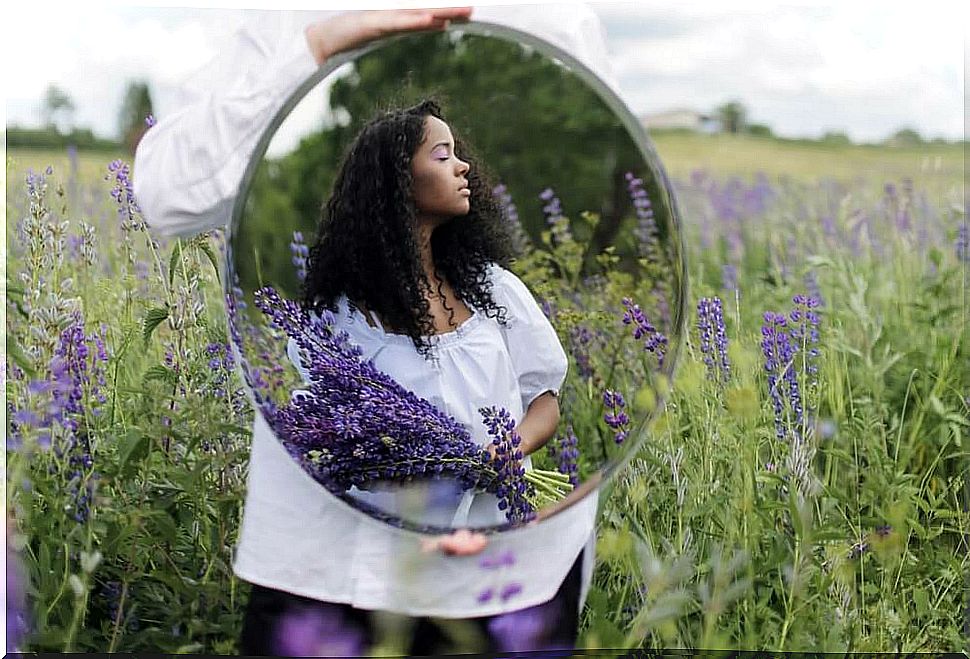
[(865, 68)]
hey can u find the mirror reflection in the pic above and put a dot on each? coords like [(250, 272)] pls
[(458, 284)]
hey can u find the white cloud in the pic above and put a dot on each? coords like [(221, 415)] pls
[(802, 68)]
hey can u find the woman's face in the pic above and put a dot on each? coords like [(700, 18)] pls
[(440, 188)]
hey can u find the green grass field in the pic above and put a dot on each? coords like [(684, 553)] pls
[(811, 497)]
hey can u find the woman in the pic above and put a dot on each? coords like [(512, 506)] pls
[(317, 564), (410, 245)]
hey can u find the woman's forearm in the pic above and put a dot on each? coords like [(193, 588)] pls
[(539, 424)]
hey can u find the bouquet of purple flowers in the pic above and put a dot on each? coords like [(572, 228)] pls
[(356, 425)]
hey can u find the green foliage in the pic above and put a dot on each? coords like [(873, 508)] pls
[(135, 108), (51, 138)]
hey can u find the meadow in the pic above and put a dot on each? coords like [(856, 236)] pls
[(805, 487)]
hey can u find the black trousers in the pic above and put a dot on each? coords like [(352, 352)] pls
[(282, 624)]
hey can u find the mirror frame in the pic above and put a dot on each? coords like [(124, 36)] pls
[(652, 161)]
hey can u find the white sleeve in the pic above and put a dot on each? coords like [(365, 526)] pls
[(538, 358), (189, 165)]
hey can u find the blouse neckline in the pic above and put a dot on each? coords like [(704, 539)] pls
[(356, 317)]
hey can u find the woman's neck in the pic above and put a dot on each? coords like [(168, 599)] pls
[(424, 251)]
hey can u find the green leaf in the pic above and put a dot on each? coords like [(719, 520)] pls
[(134, 448), (206, 248), (937, 406), (19, 358), (160, 373), (153, 319), (191, 648), (173, 262), (165, 526)]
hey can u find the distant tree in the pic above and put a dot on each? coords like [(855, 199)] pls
[(135, 108), (836, 137), (759, 130), (905, 137), (57, 105), (732, 117)]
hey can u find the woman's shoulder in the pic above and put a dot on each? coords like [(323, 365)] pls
[(501, 277), (507, 286)]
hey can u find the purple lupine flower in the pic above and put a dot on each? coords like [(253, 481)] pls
[(565, 451), (714, 347), (555, 218), (653, 341), (811, 285), (221, 363), (548, 309), (615, 417), (646, 232), (512, 486), (580, 339), (779, 356), (356, 424), (858, 548), (120, 172), (318, 630), (111, 593), (300, 253), (528, 630), (520, 240), (805, 337), (962, 243), (729, 277)]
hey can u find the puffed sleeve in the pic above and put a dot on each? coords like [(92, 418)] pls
[(538, 358), (188, 166)]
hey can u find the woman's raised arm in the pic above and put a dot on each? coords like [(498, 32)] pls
[(189, 165)]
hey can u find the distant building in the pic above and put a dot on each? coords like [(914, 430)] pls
[(681, 118)]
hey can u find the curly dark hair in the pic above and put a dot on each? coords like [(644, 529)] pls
[(366, 246)]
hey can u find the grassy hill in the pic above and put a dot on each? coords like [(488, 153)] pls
[(744, 155), (931, 165)]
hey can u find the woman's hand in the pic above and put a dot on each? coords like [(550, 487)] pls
[(460, 543), (353, 29)]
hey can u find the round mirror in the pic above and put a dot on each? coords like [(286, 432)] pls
[(491, 367)]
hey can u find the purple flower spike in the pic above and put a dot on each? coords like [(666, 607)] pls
[(555, 218), (653, 340), (519, 237), (511, 474), (565, 451), (962, 243), (788, 343), (710, 326), (646, 231), (300, 253), (615, 417)]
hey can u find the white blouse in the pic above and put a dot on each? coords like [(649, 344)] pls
[(478, 364), (296, 536)]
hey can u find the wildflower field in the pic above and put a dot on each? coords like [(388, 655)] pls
[(805, 488)]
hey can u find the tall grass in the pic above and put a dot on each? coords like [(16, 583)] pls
[(837, 522)]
